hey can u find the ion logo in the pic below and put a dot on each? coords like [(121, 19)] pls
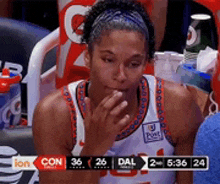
[(23, 163)]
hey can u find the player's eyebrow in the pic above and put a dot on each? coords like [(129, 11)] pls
[(135, 56), (107, 51)]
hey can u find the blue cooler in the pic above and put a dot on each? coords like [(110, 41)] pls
[(190, 76)]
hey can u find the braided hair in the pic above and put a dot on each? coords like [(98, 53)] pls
[(90, 36)]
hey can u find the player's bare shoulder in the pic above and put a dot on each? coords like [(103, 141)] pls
[(182, 112), (52, 122), (52, 105), (177, 95)]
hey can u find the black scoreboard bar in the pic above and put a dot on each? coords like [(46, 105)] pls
[(138, 163), (178, 163)]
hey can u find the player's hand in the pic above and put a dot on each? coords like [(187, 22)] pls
[(104, 123)]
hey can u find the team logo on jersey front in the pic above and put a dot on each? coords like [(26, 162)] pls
[(152, 132)]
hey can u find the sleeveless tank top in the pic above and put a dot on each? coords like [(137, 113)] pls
[(146, 135)]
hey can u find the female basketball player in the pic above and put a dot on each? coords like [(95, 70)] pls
[(118, 111)]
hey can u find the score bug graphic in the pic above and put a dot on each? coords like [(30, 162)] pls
[(87, 163), (102, 162), (78, 163), (128, 163), (50, 162), (175, 163), (143, 163)]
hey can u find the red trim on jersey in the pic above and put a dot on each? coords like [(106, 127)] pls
[(142, 111), (67, 97), (134, 124), (80, 96), (160, 109)]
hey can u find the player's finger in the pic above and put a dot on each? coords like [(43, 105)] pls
[(118, 109), (123, 122), (108, 97), (101, 108), (111, 102)]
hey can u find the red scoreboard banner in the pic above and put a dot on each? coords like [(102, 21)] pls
[(50, 162)]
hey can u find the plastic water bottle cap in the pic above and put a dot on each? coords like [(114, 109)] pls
[(4, 87), (5, 72), (10, 78), (15, 79)]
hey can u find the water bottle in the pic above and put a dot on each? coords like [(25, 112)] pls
[(15, 95), (5, 108)]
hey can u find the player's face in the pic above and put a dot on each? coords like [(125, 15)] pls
[(117, 62)]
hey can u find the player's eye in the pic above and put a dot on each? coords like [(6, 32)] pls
[(107, 60), (134, 64)]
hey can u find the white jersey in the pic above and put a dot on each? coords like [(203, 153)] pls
[(147, 134)]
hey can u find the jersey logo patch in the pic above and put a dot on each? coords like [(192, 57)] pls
[(152, 132)]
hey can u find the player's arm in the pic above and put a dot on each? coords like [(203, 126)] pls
[(52, 135), (186, 118), (188, 127)]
